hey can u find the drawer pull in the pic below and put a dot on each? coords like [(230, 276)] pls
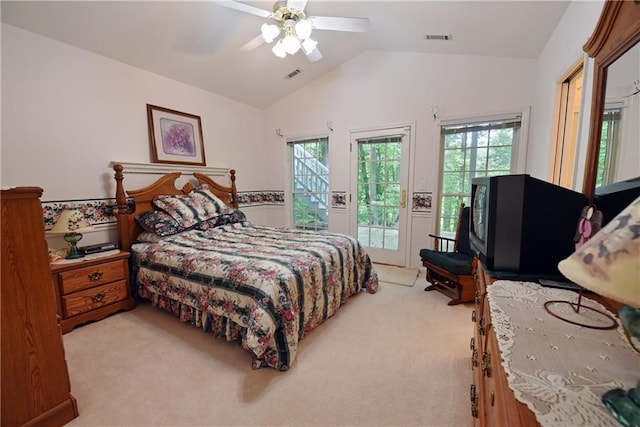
[(98, 297), (486, 363), (474, 358), (96, 276), (481, 325), (474, 401), (473, 316), (472, 344)]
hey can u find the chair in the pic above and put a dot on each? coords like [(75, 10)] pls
[(451, 273)]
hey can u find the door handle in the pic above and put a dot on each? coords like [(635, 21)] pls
[(403, 199)]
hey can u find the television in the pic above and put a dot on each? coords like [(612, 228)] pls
[(613, 198), (521, 224)]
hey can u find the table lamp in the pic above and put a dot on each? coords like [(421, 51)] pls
[(609, 265), (71, 223)]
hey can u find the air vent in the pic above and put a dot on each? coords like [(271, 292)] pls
[(447, 37), (293, 73)]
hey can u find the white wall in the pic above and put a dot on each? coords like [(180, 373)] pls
[(67, 113), (382, 88), (562, 51)]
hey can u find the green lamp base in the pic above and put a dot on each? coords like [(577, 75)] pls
[(72, 239), (624, 405)]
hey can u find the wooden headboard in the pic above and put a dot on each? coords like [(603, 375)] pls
[(165, 185)]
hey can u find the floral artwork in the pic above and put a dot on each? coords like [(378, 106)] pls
[(421, 202), (175, 137), (339, 199)]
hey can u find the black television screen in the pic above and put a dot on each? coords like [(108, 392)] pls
[(522, 224)]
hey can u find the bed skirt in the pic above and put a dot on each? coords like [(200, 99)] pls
[(219, 326)]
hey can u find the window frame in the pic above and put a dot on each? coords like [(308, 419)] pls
[(291, 142), (518, 152)]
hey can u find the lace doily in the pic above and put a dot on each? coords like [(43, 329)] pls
[(559, 370)]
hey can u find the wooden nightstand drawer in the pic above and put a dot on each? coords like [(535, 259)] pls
[(91, 288), (92, 276), (81, 302)]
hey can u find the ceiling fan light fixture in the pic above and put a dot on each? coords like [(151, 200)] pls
[(308, 45), (291, 44), (303, 29), (279, 50), (269, 32), (293, 27)]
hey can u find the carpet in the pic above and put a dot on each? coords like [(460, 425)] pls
[(157, 371), (396, 275)]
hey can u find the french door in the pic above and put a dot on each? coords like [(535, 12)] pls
[(380, 177)]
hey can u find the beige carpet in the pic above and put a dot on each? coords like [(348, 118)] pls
[(397, 358), (397, 275)]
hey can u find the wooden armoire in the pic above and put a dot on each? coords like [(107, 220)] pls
[(35, 381)]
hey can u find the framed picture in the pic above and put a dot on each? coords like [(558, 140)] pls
[(175, 137)]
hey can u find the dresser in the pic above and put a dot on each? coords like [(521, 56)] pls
[(35, 381), (559, 369), (91, 288), (492, 401)]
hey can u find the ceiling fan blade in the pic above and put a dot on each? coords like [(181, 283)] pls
[(231, 4), (314, 55), (356, 25), (297, 4), (252, 44)]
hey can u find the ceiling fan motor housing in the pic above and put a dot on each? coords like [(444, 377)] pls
[(282, 12)]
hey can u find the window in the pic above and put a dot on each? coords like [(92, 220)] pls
[(608, 144), (472, 150), (310, 183)]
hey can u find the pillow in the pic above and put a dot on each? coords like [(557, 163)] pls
[(227, 216), (158, 222), (199, 205)]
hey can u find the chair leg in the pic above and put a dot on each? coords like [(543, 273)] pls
[(460, 292), (430, 279), (455, 301)]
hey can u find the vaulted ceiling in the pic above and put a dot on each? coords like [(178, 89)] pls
[(198, 42)]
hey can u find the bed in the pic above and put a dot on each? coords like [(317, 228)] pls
[(195, 255)]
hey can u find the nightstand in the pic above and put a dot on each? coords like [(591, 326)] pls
[(91, 288)]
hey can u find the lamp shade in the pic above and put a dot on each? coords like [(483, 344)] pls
[(303, 29), (71, 221), (308, 45), (269, 32), (609, 263), (278, 49), (291, 44)]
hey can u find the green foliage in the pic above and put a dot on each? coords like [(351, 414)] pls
[(602, 153), (378, 183), (468, 155), (304, 216)]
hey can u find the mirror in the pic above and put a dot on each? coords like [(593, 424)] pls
[(614, 47), (619, 151)]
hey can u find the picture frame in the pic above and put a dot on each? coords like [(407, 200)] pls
[(175, 137)]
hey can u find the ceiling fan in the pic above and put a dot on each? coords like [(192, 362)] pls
[(295, 26)]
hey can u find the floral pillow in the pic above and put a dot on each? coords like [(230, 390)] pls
[(227, 216), (199, 205), (159, 223)]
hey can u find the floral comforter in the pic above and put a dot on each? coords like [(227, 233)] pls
[(265, 287)]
